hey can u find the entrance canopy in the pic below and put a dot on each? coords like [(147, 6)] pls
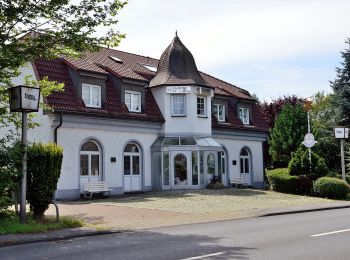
[(186, 141)]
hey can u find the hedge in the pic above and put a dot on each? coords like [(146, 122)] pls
[(330, 187), (281, 181), (44, 167)]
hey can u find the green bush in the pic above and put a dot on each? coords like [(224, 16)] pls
[(44, 167), (330, 187), (281, 181), (5, 189), (300, 164)]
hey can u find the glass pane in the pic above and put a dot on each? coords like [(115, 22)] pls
[(211, 163), (95, 96), (128, 100), (126, 165), (165, 168), (244, 152), (201, 167), (171, 141), (95, 164), (223, 165), (180, 171), (89, 146), (135, 102), (187, 141), (131, 148), (136, 165), (178, 104), (86, 94), (246, 165), (200, 106), (242, 165), (194, 168), (84, 164)]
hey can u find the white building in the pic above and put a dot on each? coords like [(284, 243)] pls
[(141, 124)]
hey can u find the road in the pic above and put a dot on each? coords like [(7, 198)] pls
[(314, 235)]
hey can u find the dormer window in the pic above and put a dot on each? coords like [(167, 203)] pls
[(219, 112), (178, 102), (91, 95), (201, 107), (244, 115), (133, 101)]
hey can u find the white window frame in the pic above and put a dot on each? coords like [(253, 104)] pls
[(133, 93), (205, 106), (172, 105), (245, 120), (242, 161), (89, 103), (216, 107), (89, 154)]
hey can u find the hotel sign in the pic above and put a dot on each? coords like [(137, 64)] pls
[(23, 98), (178, 89), (341, 132)]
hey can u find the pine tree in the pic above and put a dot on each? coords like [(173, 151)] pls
[(341, 87)]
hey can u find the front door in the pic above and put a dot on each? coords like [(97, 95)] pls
[(181, 166), (132, 170), (211, 165)]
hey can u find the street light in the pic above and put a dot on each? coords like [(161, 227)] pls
[(24, 99)]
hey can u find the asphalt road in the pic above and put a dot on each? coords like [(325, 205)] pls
[(316, 235)]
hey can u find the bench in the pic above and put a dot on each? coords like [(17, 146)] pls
[(238, 181), (95, 187)]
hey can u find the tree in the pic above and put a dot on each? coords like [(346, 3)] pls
[(287, 134), (31, 29), (341, 87), (324, 117)]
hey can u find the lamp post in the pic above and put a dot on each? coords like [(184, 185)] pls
[(341, 133), (309, 139), (24, 99)]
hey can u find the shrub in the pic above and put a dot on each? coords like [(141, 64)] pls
[(5, 189), (300, 164), (281, 181), (331, 188), (44, 167), (216, 185)]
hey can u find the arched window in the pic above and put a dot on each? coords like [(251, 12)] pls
[(90, 157), (131, 159), (245, 161)]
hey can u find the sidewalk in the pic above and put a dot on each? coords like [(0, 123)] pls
[(148, 218)]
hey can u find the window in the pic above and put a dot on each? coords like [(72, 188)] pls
[(245, 161), (244, 115), (131, 160), (201, 106), (211, 163), (178, 105), (219, 112), (90, 159), (91, 95), (133, 101)]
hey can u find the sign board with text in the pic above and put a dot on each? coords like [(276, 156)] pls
[(341, 132), (178, 89), (23, 98)]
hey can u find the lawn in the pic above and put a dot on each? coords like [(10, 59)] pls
[(9, 224), (209, 201)]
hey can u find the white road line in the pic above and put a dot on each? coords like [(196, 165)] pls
[(330, 233), (204, 256)]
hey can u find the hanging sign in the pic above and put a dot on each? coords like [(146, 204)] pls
[(178, 89), (309, 140)]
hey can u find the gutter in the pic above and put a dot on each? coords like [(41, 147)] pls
[(56, 128)]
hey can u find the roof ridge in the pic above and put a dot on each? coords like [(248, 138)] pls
[(131, 53), (241, 89)]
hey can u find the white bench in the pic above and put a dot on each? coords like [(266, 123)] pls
[(95, 187), (238, 181)]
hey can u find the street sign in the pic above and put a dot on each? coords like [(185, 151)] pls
[(24, 98), (309, 140), (341, 132)]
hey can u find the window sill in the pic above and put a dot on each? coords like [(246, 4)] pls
[(202, 116), (178, 115)]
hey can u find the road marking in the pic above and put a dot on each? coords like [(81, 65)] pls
[(203, 256), (330, 233)]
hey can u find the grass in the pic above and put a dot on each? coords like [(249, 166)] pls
[(9, 224)]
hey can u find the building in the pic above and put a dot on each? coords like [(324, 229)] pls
[(141, 124)]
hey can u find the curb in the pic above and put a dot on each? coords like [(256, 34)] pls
[(302, 211), (59, 238)]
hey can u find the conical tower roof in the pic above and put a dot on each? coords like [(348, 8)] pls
[(177, 67)]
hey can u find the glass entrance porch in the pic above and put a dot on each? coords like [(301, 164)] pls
[(184, 162)]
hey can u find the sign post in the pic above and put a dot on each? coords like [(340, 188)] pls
[(24, 99), (309, 139), (341, 133)]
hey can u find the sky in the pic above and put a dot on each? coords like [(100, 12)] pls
[(268, 47)]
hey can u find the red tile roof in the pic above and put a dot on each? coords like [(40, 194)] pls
[(130, 66)]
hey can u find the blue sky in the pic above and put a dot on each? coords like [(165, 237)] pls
[(268, 47)]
